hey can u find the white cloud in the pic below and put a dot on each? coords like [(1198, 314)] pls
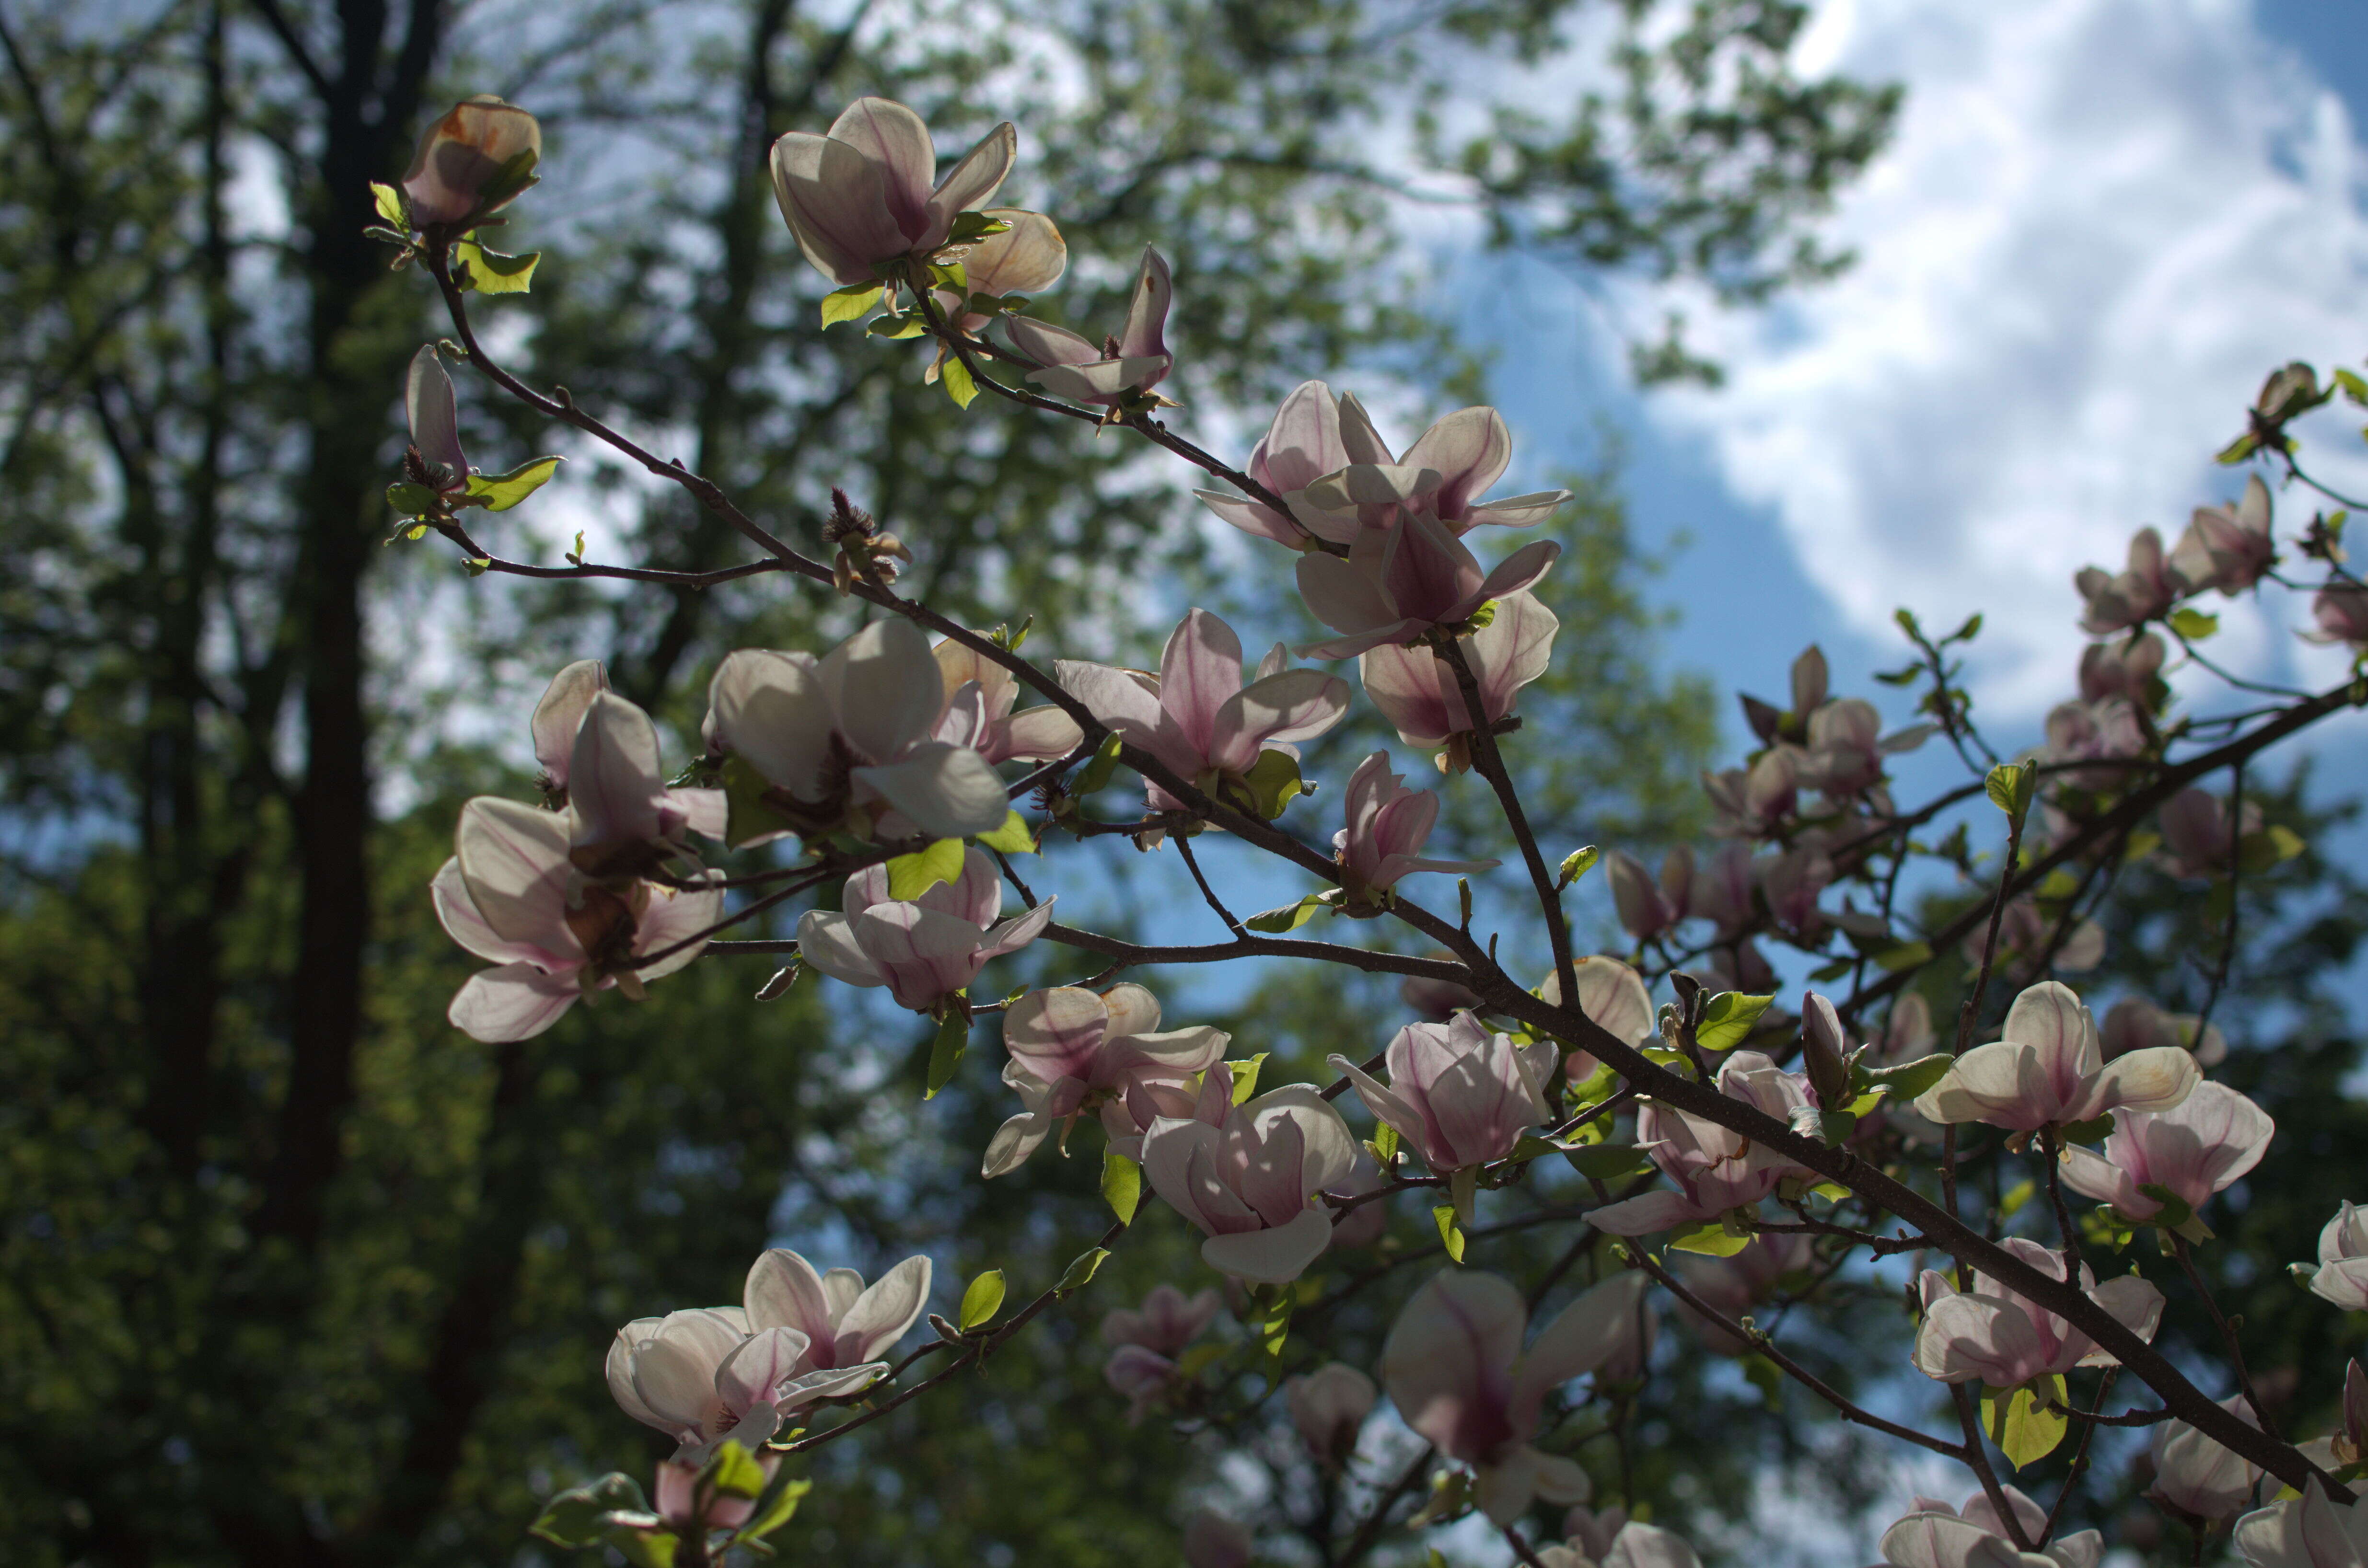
[(2100, 222)]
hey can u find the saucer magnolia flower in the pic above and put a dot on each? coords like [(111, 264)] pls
[(2196, 1475), (2341, 1276), (1417, 692), (860, 198), (1989, 1333), (455, 175), (2309, 1531), (2104, 731), (2198, 838), (1454, 1367), (2125, 667), (1167, 1321), (1314, 437), (1143, 1342), (1196, 716), (1073, 1050), (1937, 1536), (1846, 746), (1613, 997), (1588, 1538), (1323, 458), (626, 816), (1388, 825), (557, 718), (1403, 579), (1629, 1546), (977, 714), (511, 893), (1716, 1171), (2135, 1024), (2048, 1069), (434, 419), (848, 1326), (1027, 257), (2142, 592), (1119, 369), (1750, 803), (1244, 1175), (2195, 1149), (1458, 1094), (1329, 1405), (1647, 909), (925, 951), (2342, 613), (848, 735), (2229, 547)]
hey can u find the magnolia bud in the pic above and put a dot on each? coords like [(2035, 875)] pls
[(2355, 1410), (468, 163), (1822, 1048), (1330, 1406)]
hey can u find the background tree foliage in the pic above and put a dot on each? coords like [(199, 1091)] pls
[(291, 1272)]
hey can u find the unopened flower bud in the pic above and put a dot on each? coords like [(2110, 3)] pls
[(1822, 1046), (469, 163)]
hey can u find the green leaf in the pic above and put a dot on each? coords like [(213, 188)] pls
[(2240, 449), (734, 1472), (974, 225), (1904, 955), (410, 500), (1708, 1237), (910, 876), (1121, 1184), (2008, 786), (573, 1517), (1012, 838), (478, 565), (850, 303), (746, 816), (1608, 1161), (1910, 1079), (2193, 624), (1450, 1235), (649, 1546), (2259, 851), (1576, 864), (397, 212), (1767, 1377), (1290, 916), (1728, 1021), (984, 1298), (2090, 1132), (2016, 1197), (2175, 1211), (1245, 1077), (491, 272), (1271, 781), (960, 384), (1096, 773), (500, 491), (1834, 1127), (2021, 1429), (1385, 1143), (2353, 387), (946, 1051), (1080, 1272), (776, 1512), (897, 328)]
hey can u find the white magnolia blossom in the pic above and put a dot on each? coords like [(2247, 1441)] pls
[(2341, 1276), (1937, 1536), (2197, 1475), (1246, 1174), (1074, 1050), (2048, 1068), (2309, 1531), (848, 740), (511, 894), (925, 949)]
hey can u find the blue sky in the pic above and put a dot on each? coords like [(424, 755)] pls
[(2100, 222)]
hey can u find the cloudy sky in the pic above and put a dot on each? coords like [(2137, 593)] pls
[(2100, 222)]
